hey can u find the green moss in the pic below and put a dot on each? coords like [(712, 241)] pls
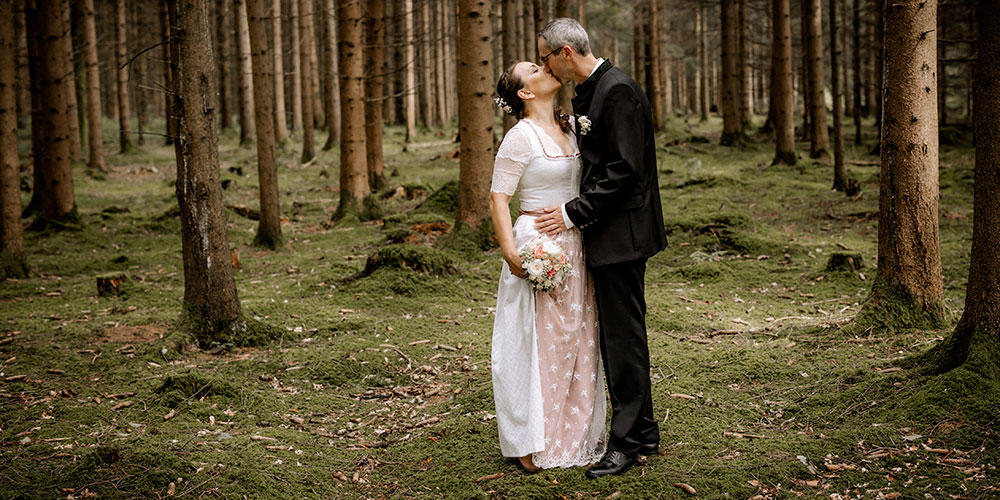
[(443, 201), (893, 307), (190, 384), (241, 331), (412, 257), (11, 266)]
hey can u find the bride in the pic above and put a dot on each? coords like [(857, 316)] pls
[(547, 385)]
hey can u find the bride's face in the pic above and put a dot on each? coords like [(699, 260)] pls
[(535, 80)]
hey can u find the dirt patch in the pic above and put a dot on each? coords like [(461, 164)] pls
[(139, 333)]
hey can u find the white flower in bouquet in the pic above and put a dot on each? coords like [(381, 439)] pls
[(536, 268), (545, 263)]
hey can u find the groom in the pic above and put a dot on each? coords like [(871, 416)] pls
[(618, 212)]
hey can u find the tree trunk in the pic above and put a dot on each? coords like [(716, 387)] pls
[(975, 338), (784, 99), (449, 58), (354, 187), (410, 82), (248, 124), (96, 147), (475, 111), (21, 62), (638, 52), (280, 121), (804, 71), (509, 51), (745, 63), (305, 80), (565, 99), (439, 58), (12, 264), (269, 227), (222, 68), (330, 77), (121, 59), (732, 124), (908, 288), (879, 69), (314, 69), (819, 137), (374, 90), (72, 103), (50, 139), (427, 67), (856, 61), (168, 79), (296, 66), (211, 305), (703, 70), (656, 92), (839, 171)]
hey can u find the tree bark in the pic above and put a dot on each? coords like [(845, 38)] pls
[(879, 46), (374, 89), (839, 171), (745, 63), (703, 70), (908, 288), (121, 58), (269, 227), (732, 124), (248, 123), (50, 139), (354, 187), (475, 110), (12, 264), (319, 108), (305, 80), (222, 68), (656, 93), (331, 80), (21, 62), (819, 137), (296, 66), (410, 82), (975, 338), (72, 103), (784, 99), (427, 67), (168, 79), (439, 58), (94, 141), (856, 61), (280, 121), (211, 305), (509, 51)]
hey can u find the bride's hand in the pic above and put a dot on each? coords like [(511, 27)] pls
[(514, 263)]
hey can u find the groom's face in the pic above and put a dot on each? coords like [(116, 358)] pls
[(554, 62)]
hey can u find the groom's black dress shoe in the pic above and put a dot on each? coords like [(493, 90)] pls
[(649, 449), (613, 463)]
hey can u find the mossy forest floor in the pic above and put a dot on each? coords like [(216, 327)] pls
[(379, 386)]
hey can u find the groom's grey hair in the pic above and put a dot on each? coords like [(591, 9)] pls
[(565, 31)]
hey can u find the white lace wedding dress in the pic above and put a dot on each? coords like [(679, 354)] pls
[(548, 384)]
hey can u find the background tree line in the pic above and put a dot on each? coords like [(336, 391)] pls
[(282, 71)]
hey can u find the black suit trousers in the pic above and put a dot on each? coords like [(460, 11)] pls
[(621, 313)]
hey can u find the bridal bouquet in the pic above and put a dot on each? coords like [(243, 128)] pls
[(545, 263)]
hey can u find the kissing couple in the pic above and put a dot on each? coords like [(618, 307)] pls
[(587, 187)]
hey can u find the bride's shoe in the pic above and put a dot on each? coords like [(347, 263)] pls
[(526, 464)]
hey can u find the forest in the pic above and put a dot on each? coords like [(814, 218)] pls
[(246, 250)]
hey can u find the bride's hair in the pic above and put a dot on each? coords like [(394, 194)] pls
[(507, 88)]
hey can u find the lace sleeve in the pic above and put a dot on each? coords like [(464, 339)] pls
[(512, 158)]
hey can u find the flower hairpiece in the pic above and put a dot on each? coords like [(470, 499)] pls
[(502, 104)]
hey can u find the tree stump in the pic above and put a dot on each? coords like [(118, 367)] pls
[(110, 285), (849, 262)]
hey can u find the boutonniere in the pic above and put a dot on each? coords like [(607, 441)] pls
[(584, 124)]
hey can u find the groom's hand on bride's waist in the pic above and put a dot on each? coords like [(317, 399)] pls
[(552, 222)]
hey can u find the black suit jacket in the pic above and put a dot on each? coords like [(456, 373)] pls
[(618, 210)]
